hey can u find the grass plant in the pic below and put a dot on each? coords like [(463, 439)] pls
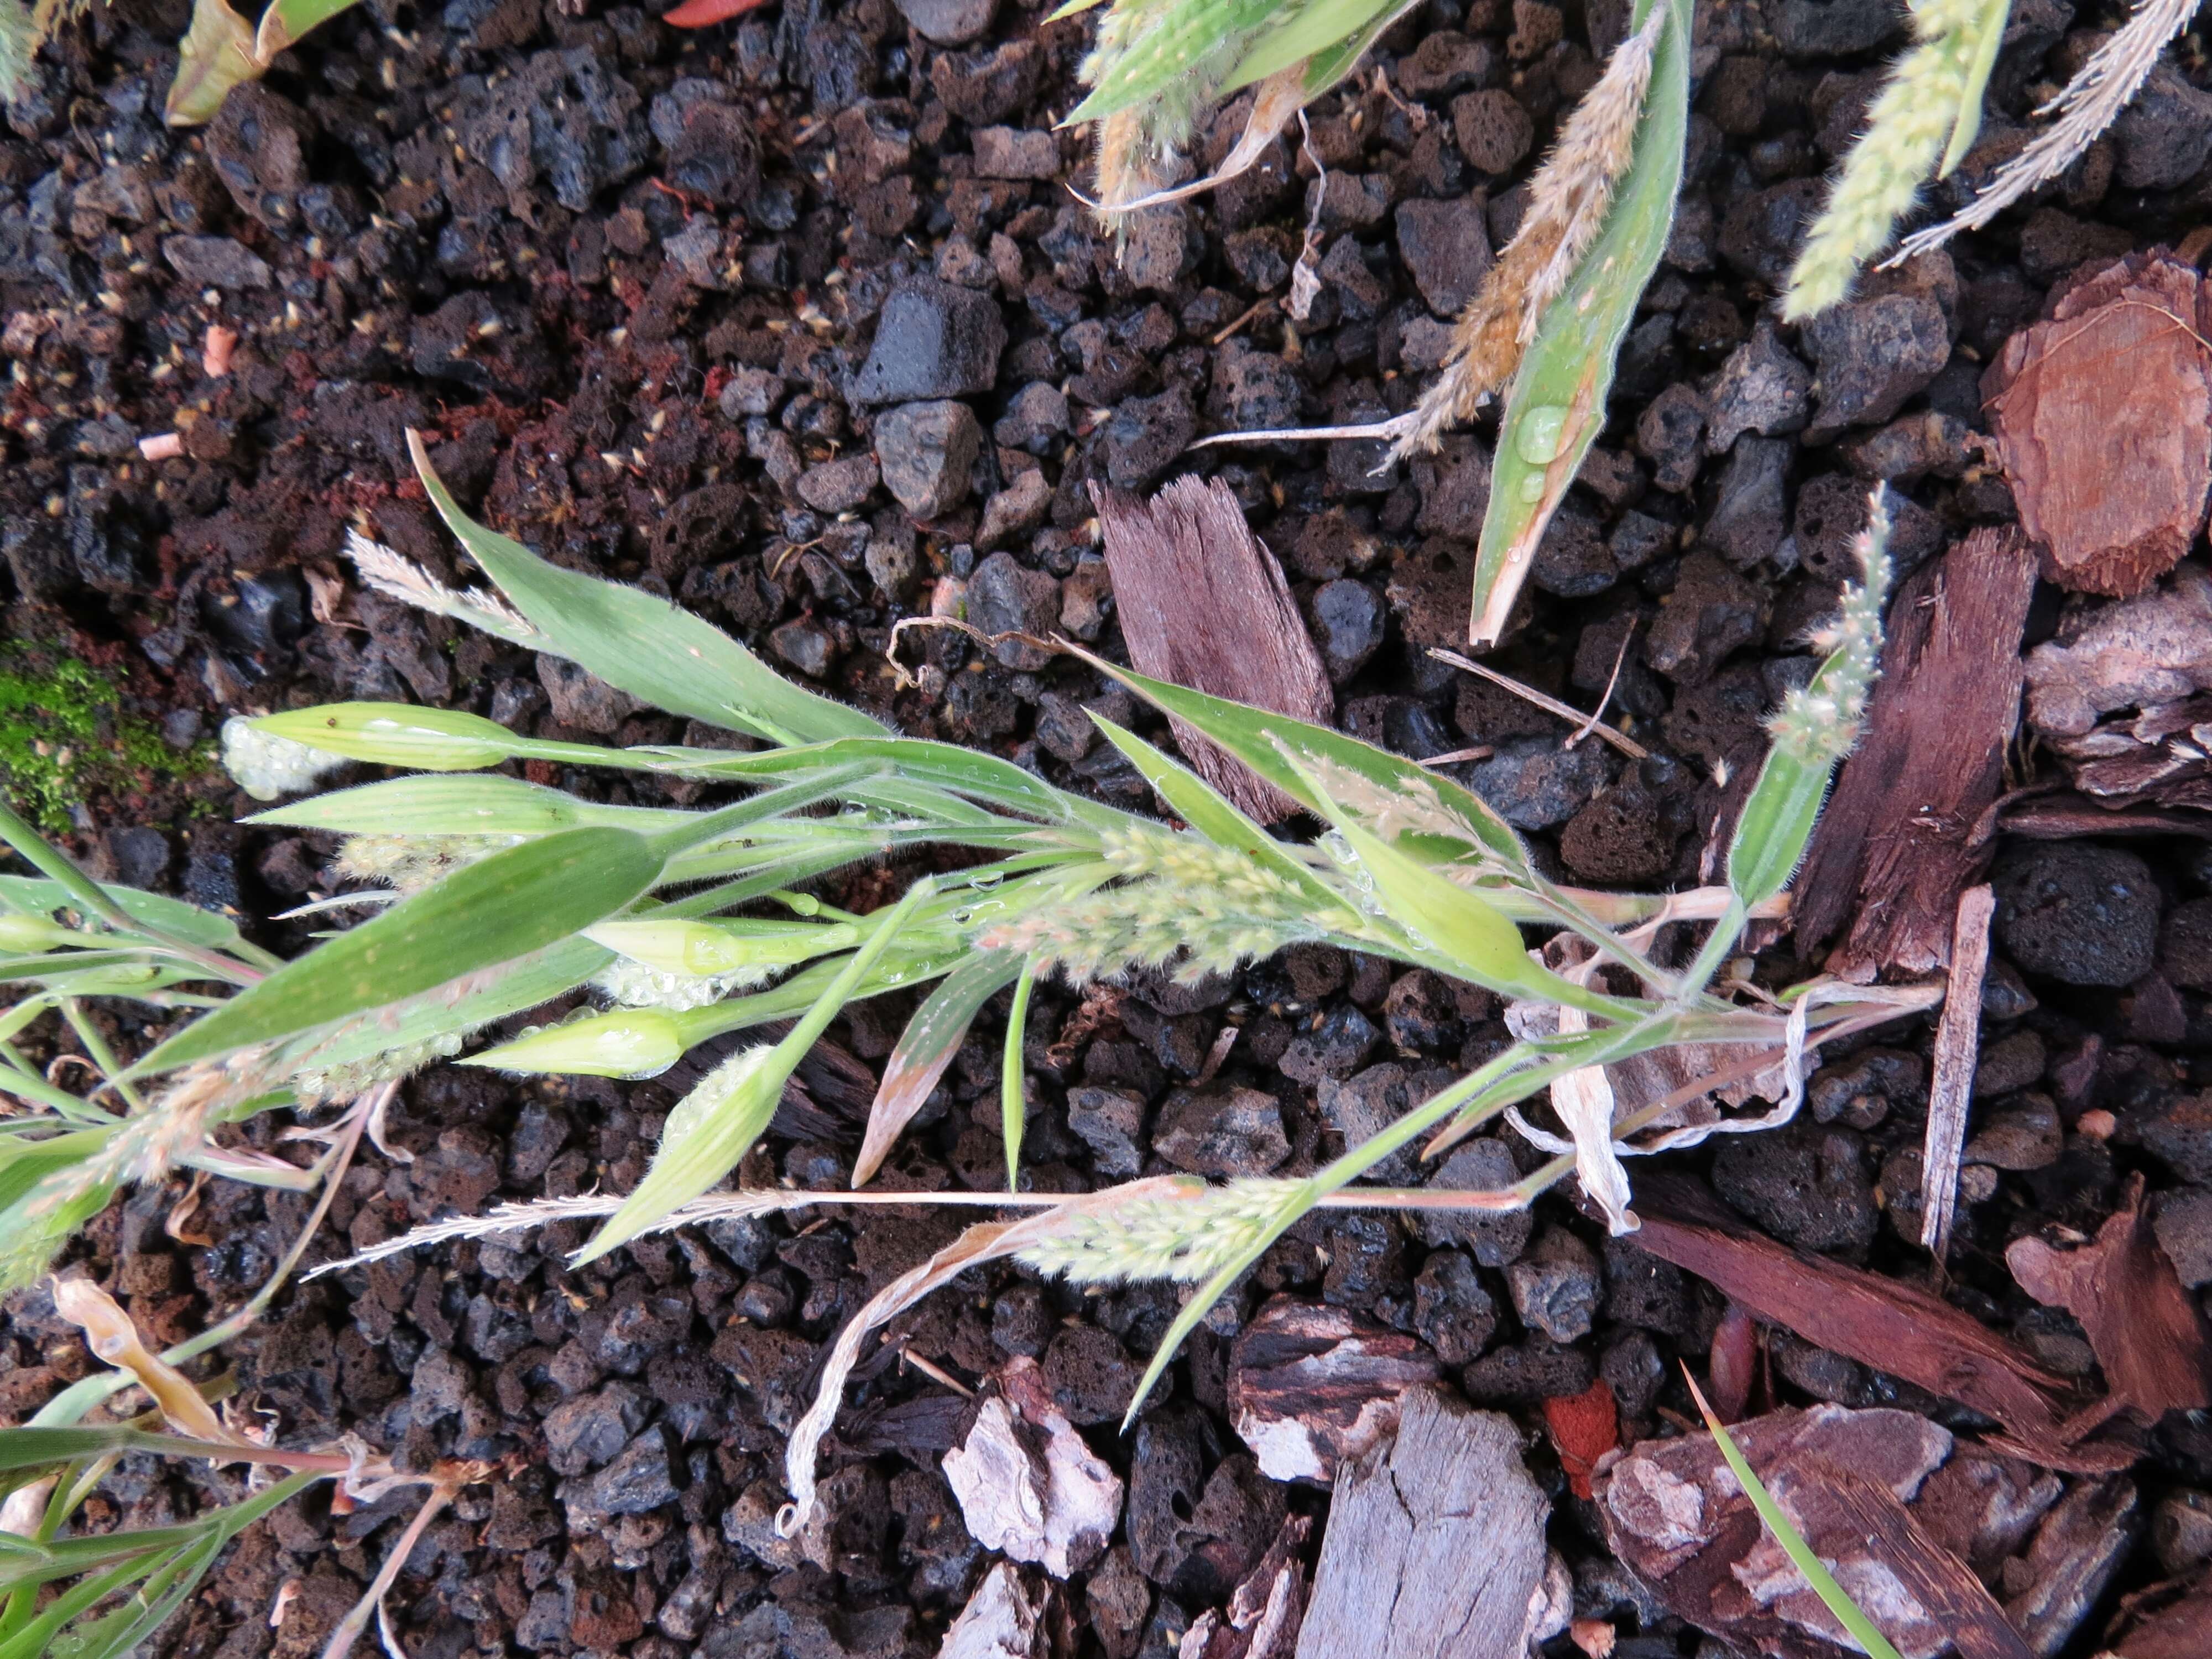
[(491, 896)]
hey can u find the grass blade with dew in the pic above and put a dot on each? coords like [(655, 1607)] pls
[(394, 734), (714, 1126), (1863, 1630), (1557, 403), (505, 906), (162, 917), (638, 643)]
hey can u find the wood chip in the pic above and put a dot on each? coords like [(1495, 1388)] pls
[(1310, 1386), (1957, 1049), (2114, 384), (1435, 1544), (1203, 604), (2143, 1326), (1005, 1618), (1863, 1486), (1028, 1485), (1897, 841), (2174, 1629), (1263, 1616)]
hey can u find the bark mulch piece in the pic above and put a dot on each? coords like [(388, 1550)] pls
[(2113, 385), (1204, 604), (1903, 835)]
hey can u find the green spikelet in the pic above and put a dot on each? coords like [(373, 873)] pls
[(1921, 110), (1184, 1238), (1817, 725)]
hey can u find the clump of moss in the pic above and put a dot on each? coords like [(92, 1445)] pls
[(63, 737)]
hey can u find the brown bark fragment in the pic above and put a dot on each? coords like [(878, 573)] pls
[(1894, 1327), (2103, 416), (1890, 1500), (1310, 1386), (1204, 604), (1897, 844), (2143, 1324)]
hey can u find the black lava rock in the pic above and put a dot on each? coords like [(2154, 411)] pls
[(933, 340), (2079, 914)]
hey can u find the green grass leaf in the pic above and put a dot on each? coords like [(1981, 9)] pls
[(171, 917), (485, 803), (1557, 405), (1013, 1077), (1303, 31), (1847, 1611), (1419, 810), (655, 651), (502, 906), (700, 1145)]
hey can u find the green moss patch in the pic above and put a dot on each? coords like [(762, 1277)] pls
[(63, 738)]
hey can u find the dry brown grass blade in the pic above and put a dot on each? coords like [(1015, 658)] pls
[(112, 1336), (985, 1241)]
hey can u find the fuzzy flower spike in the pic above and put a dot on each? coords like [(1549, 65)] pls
[(1567, 203), (1818, 725), (1918, 128)]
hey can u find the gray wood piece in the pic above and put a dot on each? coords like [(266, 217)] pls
[(1435, 1546)]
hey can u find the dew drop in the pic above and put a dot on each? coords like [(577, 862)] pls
[(1537, 437), (805, 904), (1532, 486), (987, 878)]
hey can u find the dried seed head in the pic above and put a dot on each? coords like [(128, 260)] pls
[(2090, 102), (399, 578), (407, 864), (1567, 202)]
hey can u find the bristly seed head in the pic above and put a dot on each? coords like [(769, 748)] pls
[(1204, 907), (1818, 724), (1185, 1238)]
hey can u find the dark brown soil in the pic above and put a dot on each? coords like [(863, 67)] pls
[(632, 281)]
